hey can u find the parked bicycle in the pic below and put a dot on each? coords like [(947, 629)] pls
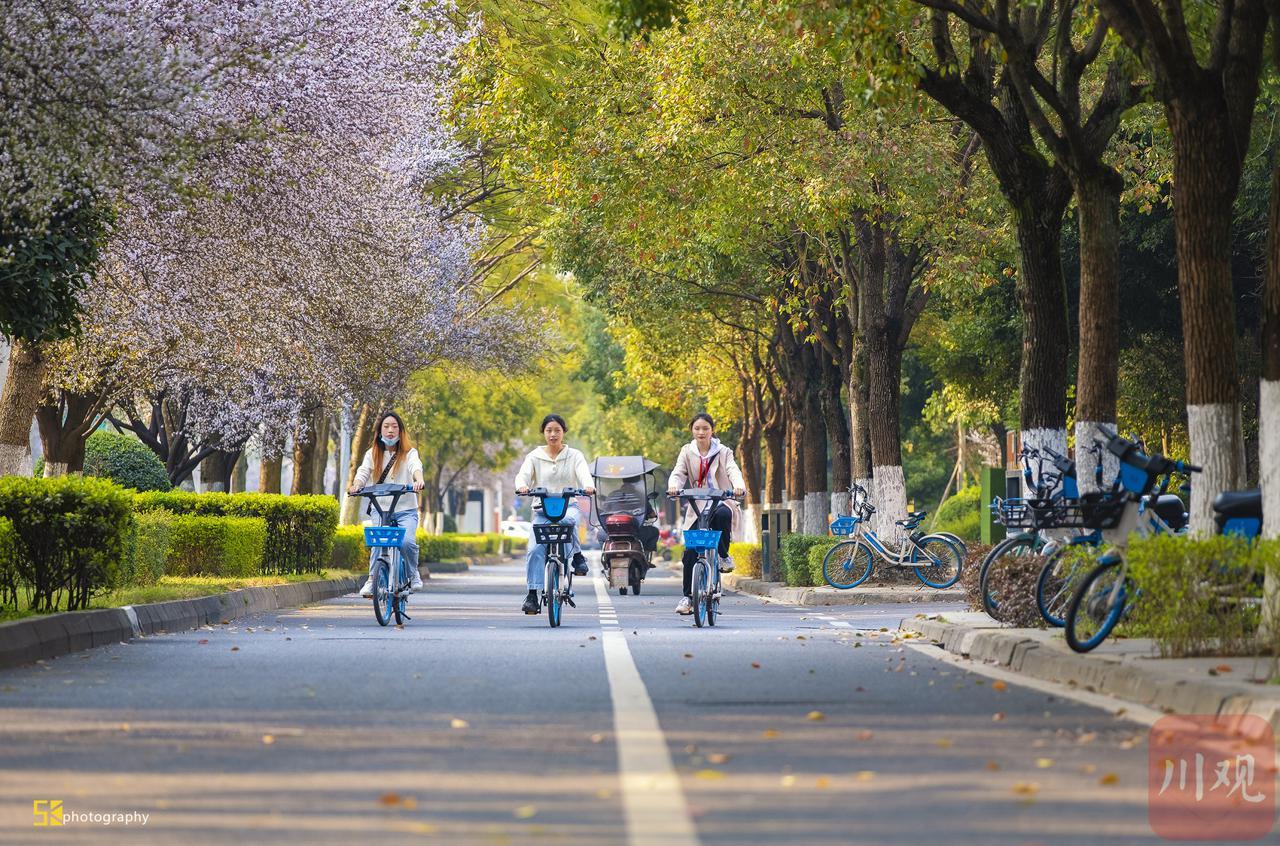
[(557, 537), (392, 580), (705, 541), (936, 559)]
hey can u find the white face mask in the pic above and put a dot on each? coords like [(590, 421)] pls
[(390, 442)]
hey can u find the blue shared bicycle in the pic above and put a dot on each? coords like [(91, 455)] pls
[(391, 577)]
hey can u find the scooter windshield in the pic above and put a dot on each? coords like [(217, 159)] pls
[(621, 496)]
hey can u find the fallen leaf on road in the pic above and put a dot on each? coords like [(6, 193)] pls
[(1223, 668), (1044, 763), (788, 781), (816, 716), (992, 765), (235, 649), (604, 793), (709, 775), (389, 799), (202, 641), (124, 727), (999, 685), (944, 742), (459, 724), (524, 812), (268, 739), (597, 738), (1087, 737), (591, 637), (865, 734), (755, 665), (997, 716), (770, 734), (800, 637), (822, 783), (423, 828), (1026, 788), (718, 758), (1109, 778), (865, 775), (688, 655)]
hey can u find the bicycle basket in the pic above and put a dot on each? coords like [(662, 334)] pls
[(383, 535), (549, 533), (844, 526), (1011, 513), (1047, 513), (700, 539), (1093, 511)]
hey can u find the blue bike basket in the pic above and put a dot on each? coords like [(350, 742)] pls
[(555, 506), (844, 526), (700, 539), (383, 535), (548, 533)]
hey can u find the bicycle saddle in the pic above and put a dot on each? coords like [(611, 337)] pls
[(1239, 503)]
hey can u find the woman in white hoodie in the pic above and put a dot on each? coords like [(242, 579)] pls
[(704, 462), (555, 467)]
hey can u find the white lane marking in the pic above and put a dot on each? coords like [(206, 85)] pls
[(1120, 708), (840, 624), (652, 798)]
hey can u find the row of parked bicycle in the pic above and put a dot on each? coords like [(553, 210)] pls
[(1089, 595)]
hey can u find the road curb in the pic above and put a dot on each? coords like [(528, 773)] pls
[(1131, 677), (49, 636), (820, 596)]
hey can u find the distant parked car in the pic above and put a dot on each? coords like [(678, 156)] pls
[(516, 528)]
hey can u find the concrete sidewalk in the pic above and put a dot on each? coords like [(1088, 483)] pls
[(825, 595), (1128, 668)]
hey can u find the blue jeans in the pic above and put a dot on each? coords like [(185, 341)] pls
[(409, 549), (536, 557)]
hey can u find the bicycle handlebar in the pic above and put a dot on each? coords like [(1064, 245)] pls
[(543, 493), (383, 490)]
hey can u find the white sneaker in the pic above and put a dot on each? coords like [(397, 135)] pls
[(685, 606), (726, 565), (417, 580), (367, 590)]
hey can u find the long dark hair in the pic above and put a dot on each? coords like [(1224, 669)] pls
[(379, 451)]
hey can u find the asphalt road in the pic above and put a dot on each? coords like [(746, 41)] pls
[(477, 724)]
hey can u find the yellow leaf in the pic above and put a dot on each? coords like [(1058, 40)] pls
[(999, 685), (944, 742), (1026, 788), (524, 812), (816, 716), (268, 739), (788, 781), (1044, 763), (459, 724), (822, 783), (865, 775), (718, 758), (597, 738), (709, 775), (770, 734), (1109, 778)]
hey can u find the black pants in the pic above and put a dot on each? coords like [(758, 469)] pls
[(722, 521)]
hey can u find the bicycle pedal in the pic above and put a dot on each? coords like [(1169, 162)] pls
[(405, 616), (572, 604)]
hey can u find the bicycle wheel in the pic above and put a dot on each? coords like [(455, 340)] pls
[(398, 599), (701, 575), (1058, 581), (551, 584), (1007, 550), (1097, 606), (383, 598), (847, 564), (713, 594), (944, 561)]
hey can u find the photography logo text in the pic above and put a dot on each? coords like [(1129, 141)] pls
[(50, 812)]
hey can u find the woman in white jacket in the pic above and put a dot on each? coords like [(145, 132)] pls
[(555, 467), (704, 462), (393, 461)]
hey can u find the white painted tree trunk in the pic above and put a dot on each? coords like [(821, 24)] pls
[(1087, 434), (1216, 448), (890, 498), (796, 507), (1269, 473), (748, 528), (816, 508), (1055, 439), (54, 469), (840, 503)]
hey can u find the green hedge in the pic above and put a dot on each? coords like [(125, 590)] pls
[(817, 552), (8, 572), (300, 529), (746, 559), (215, 546), (350, 553), (126, 461), (152, 543), (72, 539), (795, 570), (961, 514)]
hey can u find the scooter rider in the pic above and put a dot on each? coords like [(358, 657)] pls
[(704, 462), (555, 466)]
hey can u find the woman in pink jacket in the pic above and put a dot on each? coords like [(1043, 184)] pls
[(704, 462)]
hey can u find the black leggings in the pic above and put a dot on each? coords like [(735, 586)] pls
[(722, 521)]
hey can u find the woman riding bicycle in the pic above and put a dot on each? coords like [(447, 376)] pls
[(396, 463), (555, 467), (704, 462)]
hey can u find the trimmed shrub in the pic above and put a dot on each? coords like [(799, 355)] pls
[(126, 461), (818, 552), (300, 529), (152, 543), (438, 547), (449, 524), (795, 558), (746, 559), (349, 551), (1201, 596), (8, 569), (216, 546), (961, 514), (72, 538)]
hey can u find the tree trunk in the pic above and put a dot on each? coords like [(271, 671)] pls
[(775, 437), (65, 426), (239, 477), (1269, 399), (795, 466), (838, 434), (361, 442), (813, 448), (859, 425), (320, 461), (305, 446), (217, 469), (1098, 202), (23, 389), (1206, 177), (271, 468)]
